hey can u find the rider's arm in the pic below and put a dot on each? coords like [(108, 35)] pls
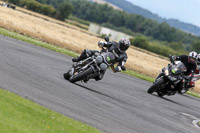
[(102, 44), (175, 58), (120, 65), (191, 75), (108, 44), (179, 58)]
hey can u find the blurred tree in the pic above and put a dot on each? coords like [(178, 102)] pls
[(140, 42), (196, 45), (176, 45), (64, 10)]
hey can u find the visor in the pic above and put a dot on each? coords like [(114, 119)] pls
[(192, 60), (123, 47)]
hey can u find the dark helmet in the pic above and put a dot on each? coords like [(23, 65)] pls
[(124, 44), (192, 57)]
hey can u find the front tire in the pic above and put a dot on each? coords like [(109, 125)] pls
[(81, 75), (155, 86), (67, 75), (160, 94)]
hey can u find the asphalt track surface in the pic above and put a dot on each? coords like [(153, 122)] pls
[(116, 104)]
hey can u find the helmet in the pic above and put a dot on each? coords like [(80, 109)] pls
[(192, 57), (198, 61), (124, 44)]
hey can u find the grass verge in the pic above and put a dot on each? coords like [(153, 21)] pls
[(192, 93), (138, 75), (18, 115), (73, 54), (36, 42)]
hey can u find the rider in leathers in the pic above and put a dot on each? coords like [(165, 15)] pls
[(190, 63), (196, 76), (118, 49)]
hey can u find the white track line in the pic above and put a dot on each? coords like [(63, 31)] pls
[(195, 123), (195, 119)]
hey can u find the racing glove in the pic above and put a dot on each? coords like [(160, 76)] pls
[(101, 44)]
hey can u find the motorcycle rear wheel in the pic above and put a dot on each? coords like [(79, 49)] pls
[(81, 75), (155, 86)]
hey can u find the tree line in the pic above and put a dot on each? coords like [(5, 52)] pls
[(104, 14), (62, 11), (129, 23)]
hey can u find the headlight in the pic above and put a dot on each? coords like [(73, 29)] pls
[(103, 66), (166, 72), (99, 59)]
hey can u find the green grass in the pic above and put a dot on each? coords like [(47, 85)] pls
[(193, 94), (18, 115), (81, 21), (37, 42), (138, 75)]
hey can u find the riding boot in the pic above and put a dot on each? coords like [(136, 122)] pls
[(183, 87), (76, 59), (79, 58)]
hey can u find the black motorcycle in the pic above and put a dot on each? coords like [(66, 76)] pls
[(169, 80), (91, 67)]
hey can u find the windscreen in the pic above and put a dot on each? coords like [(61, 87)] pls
[(178, 68), (109, 57)]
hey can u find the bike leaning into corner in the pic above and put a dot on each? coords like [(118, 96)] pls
[(92, 64), (90, 67), (170, 79)]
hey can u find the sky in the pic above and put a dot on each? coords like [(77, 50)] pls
[(184, 10)]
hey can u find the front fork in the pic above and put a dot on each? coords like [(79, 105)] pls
[(159, 75)]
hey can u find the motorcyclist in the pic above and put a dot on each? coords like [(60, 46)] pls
[(198, 64), (196, 74), (190, 63), (118, 49)]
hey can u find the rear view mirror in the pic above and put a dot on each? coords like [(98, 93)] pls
[(106, 38)]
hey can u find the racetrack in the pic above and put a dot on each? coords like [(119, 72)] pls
[(117, 104)]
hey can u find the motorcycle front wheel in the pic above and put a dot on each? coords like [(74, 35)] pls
[(160, 94), (67, 75), (81, 75), (155, 86)]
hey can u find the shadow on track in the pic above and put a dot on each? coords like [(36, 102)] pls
[(103, 94), (170, 100), (92, 90), (191, 97)]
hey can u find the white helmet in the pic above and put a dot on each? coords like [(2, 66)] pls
[(198, 61), (192, 57)]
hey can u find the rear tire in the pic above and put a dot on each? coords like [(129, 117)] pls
[(154, 87), (81, 75)]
